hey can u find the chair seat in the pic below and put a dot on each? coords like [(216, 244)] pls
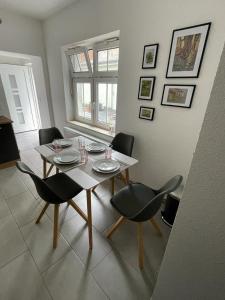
[(132, 198), (64, 187)]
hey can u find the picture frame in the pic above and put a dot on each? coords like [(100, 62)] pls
[(150, 54), (146, 87), (187, 50), (146, 113), (178, 95)]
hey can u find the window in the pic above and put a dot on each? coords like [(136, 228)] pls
[(94, 71)]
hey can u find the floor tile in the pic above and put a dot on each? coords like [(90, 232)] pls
[(12, 243), (75, 232), (39, 240), (124, 240), (20, 280), (4, 210), (120, 281), (10, 183), (68, 279), (103, 214), (24, 207), (65, 212)]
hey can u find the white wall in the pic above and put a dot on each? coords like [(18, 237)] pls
[(24, 35), (164, 147), (194, 261)]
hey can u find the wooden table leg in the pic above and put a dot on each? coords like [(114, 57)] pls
[(140, 245), (113, 185), (89, 215), (127, 176), (44, 168)]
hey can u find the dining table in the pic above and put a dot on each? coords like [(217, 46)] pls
[(83, 173)]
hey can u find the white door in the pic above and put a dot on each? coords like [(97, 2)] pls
[(16, 83)]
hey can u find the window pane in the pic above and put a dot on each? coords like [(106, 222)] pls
[(12, 80), (107, 98), (82, 61), (79, 62), (84, 100), (90, 54), (102, 103), (75, 63), (102, 60), (113, 59), (17, 100)]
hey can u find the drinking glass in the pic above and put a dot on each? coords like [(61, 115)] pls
[(83, 156), (108, 153), (56, 146), (81, 143)]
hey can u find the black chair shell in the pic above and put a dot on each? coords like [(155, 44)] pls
[(55, 189), (139, 203), (48, 135), (123, 143)]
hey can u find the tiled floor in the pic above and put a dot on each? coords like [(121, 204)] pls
[(29, 267)]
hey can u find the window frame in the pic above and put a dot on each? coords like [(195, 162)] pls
[(101, 47), (106, 80), (77, 117), (76, 51), (93, 77)]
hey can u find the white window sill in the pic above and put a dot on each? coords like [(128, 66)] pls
[(91, 129)]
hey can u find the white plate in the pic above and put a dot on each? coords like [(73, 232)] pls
[(106, 166), (66, 159), (95, 147), (65, 143)]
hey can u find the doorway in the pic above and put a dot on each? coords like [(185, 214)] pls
[(20, 93)]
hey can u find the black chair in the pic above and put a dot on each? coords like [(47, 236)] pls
[(47, 136), (56, 190), (122, 143), (139, 203)]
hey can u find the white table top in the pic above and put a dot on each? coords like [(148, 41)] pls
[(83, 174)]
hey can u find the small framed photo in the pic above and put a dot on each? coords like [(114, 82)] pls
[(146, 88), (150, 56), (187, 50), (146, 113), (178, 95)]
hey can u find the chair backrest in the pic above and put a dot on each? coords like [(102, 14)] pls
[(48, 135), (154, 204), (42, 188), (123, 143)]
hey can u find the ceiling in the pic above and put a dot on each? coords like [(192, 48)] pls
[(40, 9)]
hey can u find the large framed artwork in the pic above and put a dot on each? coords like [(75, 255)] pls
[(150, 56), (178, 95), (146, 88), (187, 50), (146, 113)]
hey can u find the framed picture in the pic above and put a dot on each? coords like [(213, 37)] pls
[(150, 56), (146, 113), (146, 88), (178, 95), (187, 50)]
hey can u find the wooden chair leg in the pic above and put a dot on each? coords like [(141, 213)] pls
[(49, 171), (156, 226), (140, 246), (113, 185), (55, 229), (42, 213), (127, 176), (44, 168), (89, 212), (114, 227), (94, 188), (77, 208)]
